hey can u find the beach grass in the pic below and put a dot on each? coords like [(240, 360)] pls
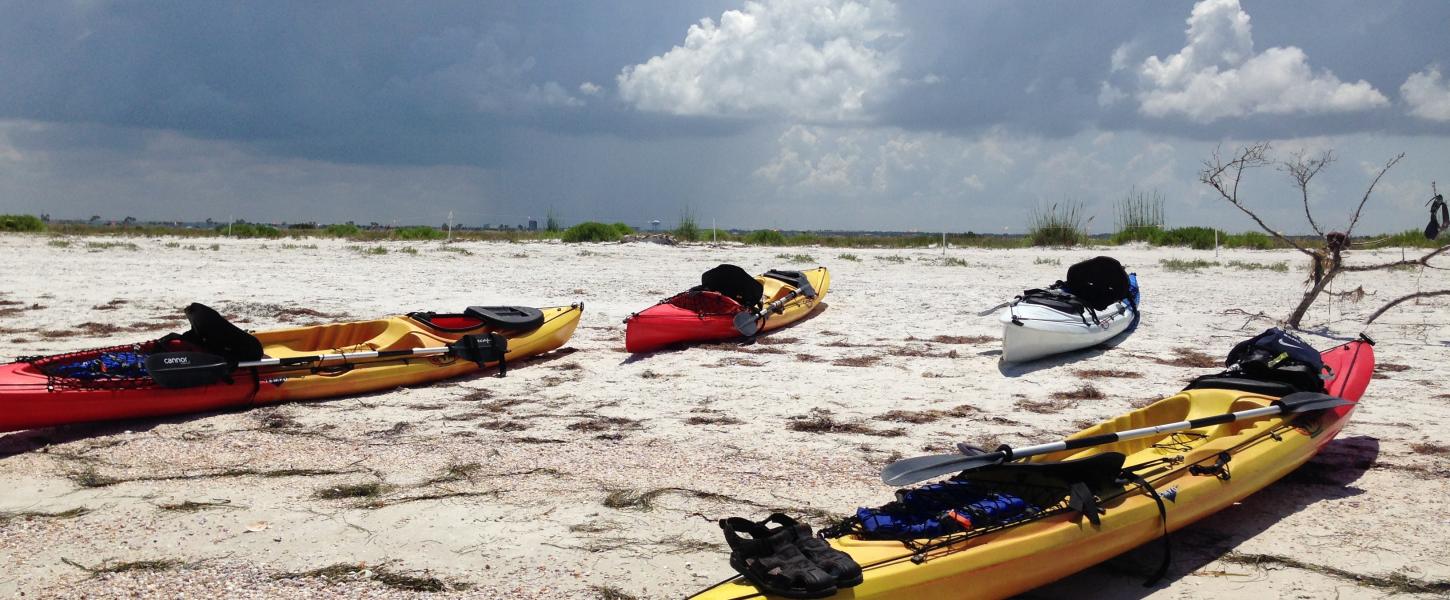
[(1060, 224)]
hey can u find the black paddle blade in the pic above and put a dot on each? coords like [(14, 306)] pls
[(186, 369), (921, 468), (1302, 402), (747, 323)]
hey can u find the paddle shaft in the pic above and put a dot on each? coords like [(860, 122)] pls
[(301, 360), (920, 468), (752, 326), (1132, 434)]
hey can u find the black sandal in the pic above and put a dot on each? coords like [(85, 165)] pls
[(771, 561), (836, 563)]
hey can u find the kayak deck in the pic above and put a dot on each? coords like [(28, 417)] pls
[(996, 563), (701, 316), (29, 398)]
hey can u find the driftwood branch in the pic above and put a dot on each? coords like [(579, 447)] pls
[(1423, 261), (1302, 170), (1352, 222), (1396, 301), (1225, 178)]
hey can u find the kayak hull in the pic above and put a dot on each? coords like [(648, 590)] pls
[(28, 399), (1032, 331), (1016, 559), (693, 317)]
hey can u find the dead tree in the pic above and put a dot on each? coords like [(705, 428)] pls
[(1327, 253)]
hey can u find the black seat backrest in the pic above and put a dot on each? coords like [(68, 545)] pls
[(1264, 387), (1099, 282), (213, 332), (507, 317), (733, 283)]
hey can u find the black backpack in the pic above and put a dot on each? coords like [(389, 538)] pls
[(1277, 357)]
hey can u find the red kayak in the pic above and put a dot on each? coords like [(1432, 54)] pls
[(709, 312)]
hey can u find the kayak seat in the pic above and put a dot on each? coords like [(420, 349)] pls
[(733, 283), (213, 332), (1242, 384), (1099, 282), (507, 317)]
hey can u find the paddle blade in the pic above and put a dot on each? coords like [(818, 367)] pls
[(186, 369), (921, 468), (747, 323), (1302, 402), (996, 308)]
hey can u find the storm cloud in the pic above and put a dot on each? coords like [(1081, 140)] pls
[(799, 114)]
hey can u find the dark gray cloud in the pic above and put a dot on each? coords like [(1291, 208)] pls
[(343, 110)]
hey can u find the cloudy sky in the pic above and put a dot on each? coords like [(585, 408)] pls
[(803, 114)]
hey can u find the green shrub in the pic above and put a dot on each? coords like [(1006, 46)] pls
[(1410, 238), (419, 232), (623, 229), (764, 237), (1057, 225), (1139, 217), (1198, 238), (849, 257), (21, 223), (342, 230), (591, 231), (1251, 239), (1149, 234), (1278, 267), (687, 230), (797, 258), (1177, 264), (249, 230)]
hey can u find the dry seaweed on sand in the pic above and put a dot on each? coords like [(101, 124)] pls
[(1188, 357), (1086, 391)]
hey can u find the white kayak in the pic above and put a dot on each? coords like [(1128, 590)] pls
[(1042, 323)]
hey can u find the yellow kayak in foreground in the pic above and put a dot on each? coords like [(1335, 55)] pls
[(1195, 473)]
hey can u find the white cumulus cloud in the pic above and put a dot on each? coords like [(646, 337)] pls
[(1428, 95), (815, 60), (1218, 75)]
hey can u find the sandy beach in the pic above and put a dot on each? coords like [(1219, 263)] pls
[(591, 473)]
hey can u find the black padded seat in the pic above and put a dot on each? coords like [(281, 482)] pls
[(507, 317), (210, 330), (1254, 386), (733, 283)]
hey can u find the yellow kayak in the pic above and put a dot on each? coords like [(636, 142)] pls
[(1193, 473), (360, 357)]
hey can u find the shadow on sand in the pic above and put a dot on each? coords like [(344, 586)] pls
[(1327, 476), (20, 442), (639, 356)]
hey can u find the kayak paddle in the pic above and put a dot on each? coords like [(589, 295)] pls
[(192, 369), (748, 323), (989, 311), (921, 468)]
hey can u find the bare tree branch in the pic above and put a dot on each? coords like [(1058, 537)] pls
[(1392, 303), (1352, 222), (1215, 173), (1302, 170), (1423, 261)]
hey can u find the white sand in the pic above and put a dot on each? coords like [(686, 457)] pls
[(529, 519)]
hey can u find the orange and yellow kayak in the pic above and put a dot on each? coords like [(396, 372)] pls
[(39, 392)]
